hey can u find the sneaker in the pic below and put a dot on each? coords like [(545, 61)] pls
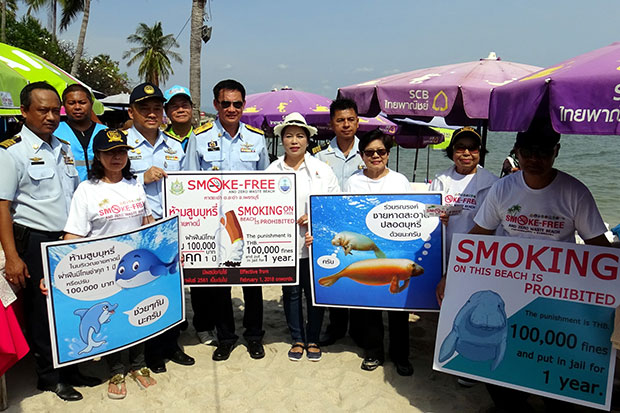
[(208, 337)]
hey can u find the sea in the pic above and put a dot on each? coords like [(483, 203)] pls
[(591, 159)]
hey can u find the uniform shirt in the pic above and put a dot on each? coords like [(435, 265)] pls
[(65, 132), (212, 149), (181, 139), (343, 166), (166, 154), (38, 179)]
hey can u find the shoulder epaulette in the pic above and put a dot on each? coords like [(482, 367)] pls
[(63, 141), (10, 142), (253, 129), (318, 148), (203, 128)]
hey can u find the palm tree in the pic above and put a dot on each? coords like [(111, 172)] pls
[(195, 47), (154, 53), (70, 9), (35, 5), (8, 7)]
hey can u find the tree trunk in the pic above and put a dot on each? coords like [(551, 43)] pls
[(195, 46), (79, 49), (54, 7), (3, 24)]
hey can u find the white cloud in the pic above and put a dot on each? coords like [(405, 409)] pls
[(282, 66), (227, 66), (363, 69), (391, 71)]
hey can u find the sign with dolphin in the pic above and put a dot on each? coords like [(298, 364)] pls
[(109, 293), (375, 251), (533, 315)]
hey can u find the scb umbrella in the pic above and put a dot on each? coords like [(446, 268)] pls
[(580, 96), (19, 67)]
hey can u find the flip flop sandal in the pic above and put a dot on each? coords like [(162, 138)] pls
[(296, 355), (313, 355), (118, 380), (143, 372)]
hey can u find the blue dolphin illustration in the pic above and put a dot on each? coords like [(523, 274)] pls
[(140, 267), (479, 330), (91, 320)]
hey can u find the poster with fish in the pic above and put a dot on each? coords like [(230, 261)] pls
[(111, 292), (532, 315), (376, 251), (236, 228)]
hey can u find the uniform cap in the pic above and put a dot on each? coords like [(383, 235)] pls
[(144, 91)]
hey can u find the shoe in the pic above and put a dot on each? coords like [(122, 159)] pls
[(65, 391), (80, 380), (328, 339), (207, 337), (180, 357), (222, 352), (371, 363), (145, 374), (404, 369), (296, 355), (256, 350), (463, 382), (117, 380), (313, 355), (157, 366)]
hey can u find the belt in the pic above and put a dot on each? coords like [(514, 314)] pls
[(19, 230)]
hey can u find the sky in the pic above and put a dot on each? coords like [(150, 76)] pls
[(322, 45)]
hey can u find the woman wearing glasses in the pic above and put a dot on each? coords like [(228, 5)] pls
[(464, 185), (311, 176), (367, 325)]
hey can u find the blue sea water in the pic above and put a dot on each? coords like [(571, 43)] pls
[(591, 159)]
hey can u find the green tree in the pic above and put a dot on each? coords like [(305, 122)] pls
[(103, 74), (70, 10), (153, 53), (36, 5)]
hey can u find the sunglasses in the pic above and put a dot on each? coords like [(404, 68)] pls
[(226, 103), (371, 152), (537, 152), (463, 148)]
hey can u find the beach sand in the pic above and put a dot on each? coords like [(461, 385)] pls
[(274, 383)]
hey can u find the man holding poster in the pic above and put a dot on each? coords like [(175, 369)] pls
[(538, 202), (229, 145)]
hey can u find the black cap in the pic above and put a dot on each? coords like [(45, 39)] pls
[(540, 134), (466, 132), (108, 139), (145, 90)]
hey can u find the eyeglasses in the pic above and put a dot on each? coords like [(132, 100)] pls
[(463, 148), (371, 152), (238, 104), (537, 152)]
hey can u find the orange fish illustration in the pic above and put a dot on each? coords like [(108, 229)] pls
[(378, 271)]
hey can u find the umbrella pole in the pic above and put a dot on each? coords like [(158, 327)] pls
[(484, 141), (415, 163), (397, 156), (428, 160), (4, 396)]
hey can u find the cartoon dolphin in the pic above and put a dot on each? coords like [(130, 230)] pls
[(378, 271), (91, 320), (479, 330), (353, 241), (140, 267)]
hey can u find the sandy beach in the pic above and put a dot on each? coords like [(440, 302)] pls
[(273, 384)]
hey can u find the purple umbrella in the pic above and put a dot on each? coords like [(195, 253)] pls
[(580, 95), (459, 92)]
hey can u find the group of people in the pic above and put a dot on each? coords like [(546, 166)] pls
[(59, 173)]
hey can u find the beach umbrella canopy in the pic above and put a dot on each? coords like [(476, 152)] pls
[(270, 108), (19, 67), (458, 92), (580, 96)]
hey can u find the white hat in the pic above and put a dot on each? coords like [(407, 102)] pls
[(295, 119)]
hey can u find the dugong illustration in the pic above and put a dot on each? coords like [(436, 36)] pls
[(140, 267), (479, 330), (353, 241), (91, 320), (378, 271)]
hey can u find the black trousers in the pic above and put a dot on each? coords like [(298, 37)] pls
[(203, 305), (224, 317), (367, 330), (162, 346), (28, 244), (338, 322)]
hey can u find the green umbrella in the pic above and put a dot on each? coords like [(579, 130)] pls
[(19, 67)]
